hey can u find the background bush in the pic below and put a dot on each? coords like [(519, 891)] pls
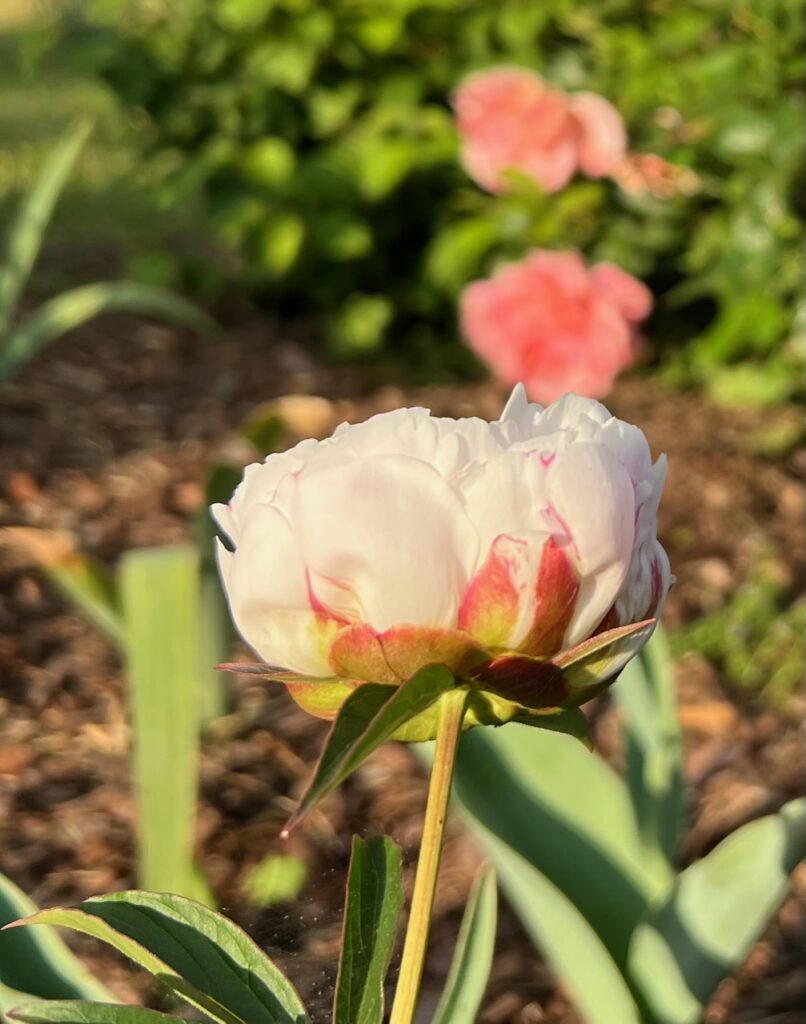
[(323, 140)]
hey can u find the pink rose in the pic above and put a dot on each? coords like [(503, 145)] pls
[(555, 324), (509, 119)]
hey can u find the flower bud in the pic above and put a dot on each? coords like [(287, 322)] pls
[(522, 554)]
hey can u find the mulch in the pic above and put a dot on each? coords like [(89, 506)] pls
[(107, 435)]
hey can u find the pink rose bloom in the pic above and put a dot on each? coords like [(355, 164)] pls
[(556, 324), (509, 119)]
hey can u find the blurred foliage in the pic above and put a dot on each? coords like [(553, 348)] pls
[(322, 137), (757, 638)]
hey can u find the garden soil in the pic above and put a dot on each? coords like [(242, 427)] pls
[(107, 436)]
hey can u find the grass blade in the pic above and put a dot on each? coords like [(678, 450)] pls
[(29, 226), (473, 956), (374, 899), (160, 596), (75, 307)]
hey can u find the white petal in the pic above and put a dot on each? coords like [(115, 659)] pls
[(591, 495), (268, 595), (390, 534)]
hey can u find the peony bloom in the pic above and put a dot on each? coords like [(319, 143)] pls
[(522, 554), (554, 324), (509, 119)]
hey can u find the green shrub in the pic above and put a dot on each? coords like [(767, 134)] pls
[(323, 138)]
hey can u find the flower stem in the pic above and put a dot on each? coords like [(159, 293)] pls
[(439, 790)]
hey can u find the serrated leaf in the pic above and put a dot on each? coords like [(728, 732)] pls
[(374, 899), (64, 1011), (37, 963), (473, 955), (719, 907), (367, 718), (201, 955)]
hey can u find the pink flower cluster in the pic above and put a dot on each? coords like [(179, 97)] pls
[(509, 119), (555, 324)]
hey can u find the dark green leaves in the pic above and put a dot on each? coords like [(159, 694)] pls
[(370, 716), (199, 955), (374, 899), (473, 955)]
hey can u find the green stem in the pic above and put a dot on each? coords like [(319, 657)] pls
[(422, 900)]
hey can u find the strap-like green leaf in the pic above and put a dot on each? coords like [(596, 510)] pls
[(473, 955), (566, 812), (75, 307), (33, 216), (159, 590), (719, 907), (374, 899), (64, 1011), (37, 963), (369, 717), (646, 694), (199, 954)]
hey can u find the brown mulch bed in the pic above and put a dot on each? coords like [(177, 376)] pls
[(107, 435)]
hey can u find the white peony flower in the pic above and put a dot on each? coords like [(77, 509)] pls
[(495, 548)]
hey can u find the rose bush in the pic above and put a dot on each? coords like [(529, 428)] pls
[(509, 119), (522, 554), (553, 323)]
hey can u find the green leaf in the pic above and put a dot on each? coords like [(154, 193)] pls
[(473, 955), (567, 813), (199, 954), (367, 718), (275, 879), (374, 899), (603, 656), (160, 594), (63, 1011), (37, 963), (83, 580), (33, 216), (719, 907), (578, 955), (75, 307), (570, 721), (645, 693)]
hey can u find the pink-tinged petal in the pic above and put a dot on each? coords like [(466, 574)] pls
[(631, 296), (533, 684), (602, 141), (491, 606), (555, 598), (386, 540), (407, 649), (266, 587), (601, 534), (356, 653)]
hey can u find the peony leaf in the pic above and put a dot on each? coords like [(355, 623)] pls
[(473, 955), (570, 721), (75, 1011), (374, 899), (368, 717), (199, 955), (719, 907)]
